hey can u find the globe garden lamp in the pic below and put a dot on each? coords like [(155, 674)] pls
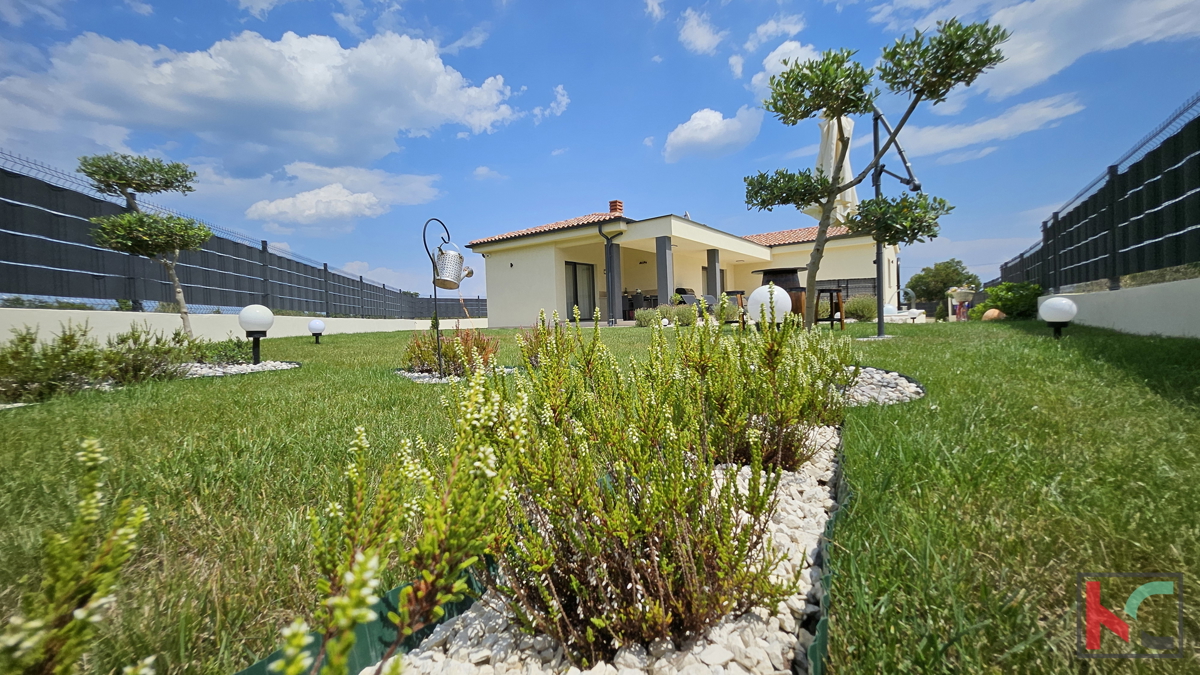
[(1057, 313), (256, 320), (316, 327), (763, 298)]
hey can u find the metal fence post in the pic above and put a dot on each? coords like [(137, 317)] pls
[(266, 275), (361, 310), (1055, 262), (325, 284), (1114, 262)]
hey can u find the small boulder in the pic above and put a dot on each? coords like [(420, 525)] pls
[(993, 314)]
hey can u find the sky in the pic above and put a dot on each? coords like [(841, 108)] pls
[(336, 128)]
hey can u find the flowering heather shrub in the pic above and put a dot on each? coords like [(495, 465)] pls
[(464, 350), (31, 371), (619, 530), (56, 625), (358, 539)]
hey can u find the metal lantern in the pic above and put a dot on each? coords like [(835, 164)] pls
[(448, 268)]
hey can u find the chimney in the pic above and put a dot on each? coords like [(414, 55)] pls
[(616, 206)]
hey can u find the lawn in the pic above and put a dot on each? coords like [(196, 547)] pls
[(227, 467), (1029, 461)]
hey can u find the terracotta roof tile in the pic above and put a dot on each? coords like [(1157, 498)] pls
[(797, 236), (589, 219)]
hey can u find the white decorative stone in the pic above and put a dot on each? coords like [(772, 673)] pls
[(716, 655)]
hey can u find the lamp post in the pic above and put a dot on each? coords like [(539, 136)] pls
[(1057, 312), (877, 181), (256, 320), (316, 327)]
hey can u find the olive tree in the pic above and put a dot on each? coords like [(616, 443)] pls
[(921, 67), (157, 236)]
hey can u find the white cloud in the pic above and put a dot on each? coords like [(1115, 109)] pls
[(776, 27), (16, 12), (806, 151), (282, 245), (472, 39), (485, 173), (332, 202), (556, 107), (402, 279), (260, 8), (648, 141), (254, 102), (966, 155), (656, 58), (655, 9), (352, 12), (1013, 122), (790, 51), (558, 151), (1050, 35), (736, 62), (698, 34), (345, 195), (143, 8), (708, 133)]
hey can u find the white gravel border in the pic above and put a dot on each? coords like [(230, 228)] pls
[(430, 378), (223, 369), (485, 641)]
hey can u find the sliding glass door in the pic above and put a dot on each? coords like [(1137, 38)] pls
[(581, 290)]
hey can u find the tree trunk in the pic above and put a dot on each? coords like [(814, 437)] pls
[(818, 252), (183, 308), (130, 200)]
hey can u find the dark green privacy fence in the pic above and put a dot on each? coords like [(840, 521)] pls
[(46, 249), (1143, 214)]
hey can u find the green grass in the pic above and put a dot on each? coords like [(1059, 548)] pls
[(226, 466), (1029, 461)]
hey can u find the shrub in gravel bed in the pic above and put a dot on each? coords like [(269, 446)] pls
[(619, 529), (31, 371), (463, 350)]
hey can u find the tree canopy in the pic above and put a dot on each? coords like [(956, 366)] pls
[(126, 176), (921, 67), (931, 283), (149, 234)]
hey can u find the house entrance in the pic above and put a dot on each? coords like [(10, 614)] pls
[(581, 290)]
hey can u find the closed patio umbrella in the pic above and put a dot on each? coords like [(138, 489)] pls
[(846, 203)]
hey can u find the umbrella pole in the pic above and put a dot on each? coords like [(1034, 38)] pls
[(877, 181)]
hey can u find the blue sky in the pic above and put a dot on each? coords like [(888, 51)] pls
[(338, 127)]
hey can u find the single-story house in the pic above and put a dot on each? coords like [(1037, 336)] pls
[(559, 266)]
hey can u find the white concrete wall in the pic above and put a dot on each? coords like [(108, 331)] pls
[(522, 281), (1171, 309), (211, 326)]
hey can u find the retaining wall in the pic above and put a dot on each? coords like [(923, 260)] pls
[(1169, 309), (211, 326)]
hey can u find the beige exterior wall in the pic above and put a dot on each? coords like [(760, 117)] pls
[(211, 326), (1161, 309), (523, 281)]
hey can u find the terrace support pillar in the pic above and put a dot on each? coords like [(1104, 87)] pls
[(612, 272), (666, 269), (713, 275)]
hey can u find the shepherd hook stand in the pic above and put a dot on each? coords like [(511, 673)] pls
[(437, 325)]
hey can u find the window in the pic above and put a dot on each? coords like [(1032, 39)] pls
[(581, 290)]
